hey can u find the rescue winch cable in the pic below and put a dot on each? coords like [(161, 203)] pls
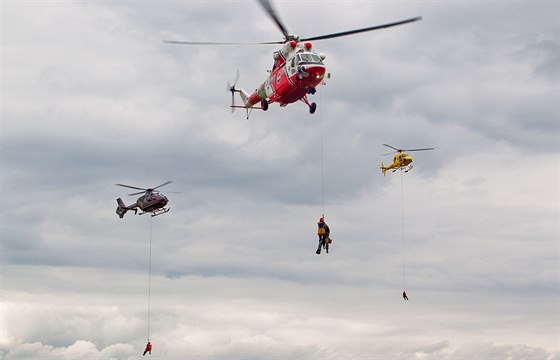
[(322, 156), (402, 224), (150, 277)]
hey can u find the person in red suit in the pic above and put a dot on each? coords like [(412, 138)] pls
[(148, 348)]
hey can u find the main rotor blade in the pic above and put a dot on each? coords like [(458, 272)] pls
[(351, 32), (270, 10), (137, 193), (222, 43), (131, 187), (165, 183), (419, 149), (392, 147)]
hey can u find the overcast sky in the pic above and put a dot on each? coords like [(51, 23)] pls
[(91, 96)]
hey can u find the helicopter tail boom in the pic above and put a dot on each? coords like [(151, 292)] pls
[(245, 97), (384, 169), (122, 208)]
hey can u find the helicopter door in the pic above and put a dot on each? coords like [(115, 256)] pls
[(292, 67)]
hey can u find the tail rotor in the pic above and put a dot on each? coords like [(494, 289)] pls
[(383, 169), (233, 90)]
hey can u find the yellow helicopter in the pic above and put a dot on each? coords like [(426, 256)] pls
[(401, 161)]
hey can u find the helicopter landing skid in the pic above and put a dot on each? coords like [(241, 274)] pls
[(160, 211), (156, 212)]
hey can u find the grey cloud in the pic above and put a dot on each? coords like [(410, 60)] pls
[(234, 269)]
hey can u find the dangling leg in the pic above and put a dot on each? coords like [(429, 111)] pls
[(321, 243)]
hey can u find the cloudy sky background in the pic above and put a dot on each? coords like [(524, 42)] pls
[(91, 96)]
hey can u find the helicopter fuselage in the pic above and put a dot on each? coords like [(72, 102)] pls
[(151, 202), (401, 161), (296, 72)]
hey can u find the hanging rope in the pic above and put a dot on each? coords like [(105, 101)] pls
[(322, 160), (402, 224), (150, 278)]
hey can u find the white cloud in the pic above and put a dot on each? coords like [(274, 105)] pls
[(234, 269), (79, 350)]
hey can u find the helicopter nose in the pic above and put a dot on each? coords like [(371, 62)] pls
[(316, 71)]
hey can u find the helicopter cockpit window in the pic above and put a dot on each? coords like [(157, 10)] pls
[(307, 58), (293, 67)]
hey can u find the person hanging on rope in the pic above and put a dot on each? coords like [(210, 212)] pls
[(323, 231), (148, 348), (405, 297)]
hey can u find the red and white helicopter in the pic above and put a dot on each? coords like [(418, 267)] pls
[(297, 68)]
